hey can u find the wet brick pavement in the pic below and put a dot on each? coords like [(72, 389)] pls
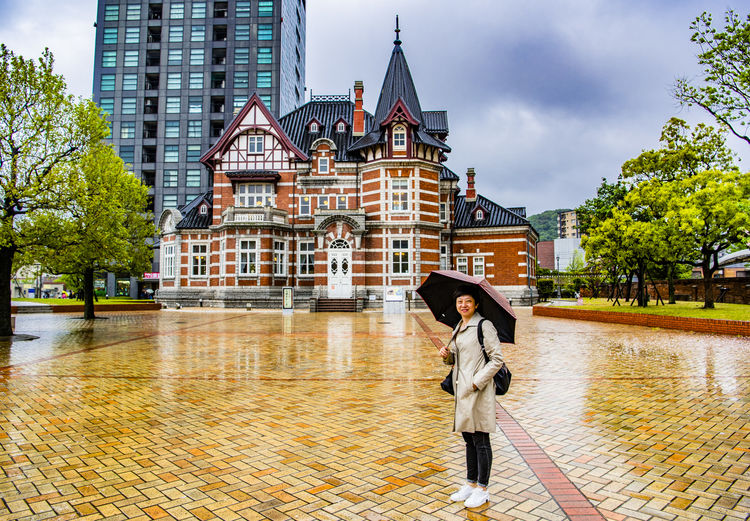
[(258, 415)]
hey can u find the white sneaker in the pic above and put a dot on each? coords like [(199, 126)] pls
[(463, 493), (477, 498)]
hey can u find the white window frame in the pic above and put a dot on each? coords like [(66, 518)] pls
[(443, 212), (305, 208), (342, 199), (400, 194), (313, 127), (399, 138), (279, 258), (306, 259), (341, 127), (247, 258), (195, 260), (168, 261), (255, 143), (222, 257), (254, 195), (462, 265), (444, 257), (399, 249), (323, 165), (327, 200), (479, 215), (477, 262)]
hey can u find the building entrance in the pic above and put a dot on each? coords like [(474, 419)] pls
[(339, 269)]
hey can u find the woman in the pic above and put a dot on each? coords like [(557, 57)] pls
[(474, 392)]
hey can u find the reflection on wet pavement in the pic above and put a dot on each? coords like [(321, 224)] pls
[(259, 415)]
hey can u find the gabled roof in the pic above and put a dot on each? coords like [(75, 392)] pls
[(435, 121), (397, 84), (230, 133), (495, 215), (446, 174), (328, 113), (192, 218)]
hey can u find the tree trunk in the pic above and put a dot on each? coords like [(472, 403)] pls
[(708, 287), (6, 272), (641, 291), (88, 294), (628, 286), (670, 283)]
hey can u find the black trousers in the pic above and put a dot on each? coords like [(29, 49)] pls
[(478, 457)]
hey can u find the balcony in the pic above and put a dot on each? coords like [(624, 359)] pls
[(259, 215)]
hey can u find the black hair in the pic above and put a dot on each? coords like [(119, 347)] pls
[(466, 289)]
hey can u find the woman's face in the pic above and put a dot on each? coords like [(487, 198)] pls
[(466, 306)]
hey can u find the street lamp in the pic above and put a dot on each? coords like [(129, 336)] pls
[(559, 291)]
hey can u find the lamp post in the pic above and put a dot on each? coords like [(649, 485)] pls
[(559, 292)]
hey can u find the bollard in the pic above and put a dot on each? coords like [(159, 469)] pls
[(200, 303), (249, 306)]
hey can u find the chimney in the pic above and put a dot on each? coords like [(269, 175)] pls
[(358, 125), (471, 193)]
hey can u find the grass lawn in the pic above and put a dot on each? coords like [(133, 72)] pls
[(680, 309), (74, 302)]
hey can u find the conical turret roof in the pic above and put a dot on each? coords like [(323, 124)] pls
[(398, 84)]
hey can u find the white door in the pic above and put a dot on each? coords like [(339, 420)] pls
[(339, 269)]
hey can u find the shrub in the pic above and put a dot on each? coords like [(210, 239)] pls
[(546, 288)]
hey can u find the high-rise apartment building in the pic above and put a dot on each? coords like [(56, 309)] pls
[(172, 74), (567, 225)]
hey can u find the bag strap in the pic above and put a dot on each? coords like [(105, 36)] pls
[(480, 337)]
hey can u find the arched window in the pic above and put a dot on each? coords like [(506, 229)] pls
[(313, 127), (204, 209), (399, 137), (479, 216), (341, 127)]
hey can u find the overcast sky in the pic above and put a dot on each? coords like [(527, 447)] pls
[(544, 98)]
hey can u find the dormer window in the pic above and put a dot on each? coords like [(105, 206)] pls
[(204, 209), (255, 144), (341, 127), (479, 215), (399, 137), (313, 127), (323, 165)]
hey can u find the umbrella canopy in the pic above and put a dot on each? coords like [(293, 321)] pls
[(437, 291)]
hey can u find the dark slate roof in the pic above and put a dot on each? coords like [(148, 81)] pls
[(397, 84), (446, 174), (435, 121), (263, 175), (327, 113), (192, 218), (495, 215), (520, 210)]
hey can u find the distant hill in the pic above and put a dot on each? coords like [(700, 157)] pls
[(546, 224)]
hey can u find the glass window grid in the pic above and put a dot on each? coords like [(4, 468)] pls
[(265, 55), (133, 12), (174, 57), (399, 195), (241, 32), (255, 144), (110, 35), (169, 201), (107, 105), (193, 177), (263, 80), (168, 264), (193, 153), (238, 102), (266, 99), (174, 80), (341, 201), (323, 165), (279, 258), (198, 33), (171, 129), (132, 34), (127, 129), (170, 178), (306, 257), (127, 154), (246, 257), (304, 205), (199, 260), (443, 212), (241, 79), (195, 128), (111, 13), (400, 256), (199, 10), (107, 82), (129, 82), (130, 59), (128, 106), (323, 202), (241, 56), (265, 32), (177, 11), (478, 266), (109, 58), (196, 80), (254, 195), (175, 33), (171, 153), (242, 9), (173, 105), (462, 265), (265, 8), (195, 104), (196, 56)]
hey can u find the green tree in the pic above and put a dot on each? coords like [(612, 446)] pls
[(711, 212), (576, 263), (599, 208), (105, 226), (725, 57), (42, 131)]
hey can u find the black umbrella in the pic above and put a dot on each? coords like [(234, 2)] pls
[(437, 291)]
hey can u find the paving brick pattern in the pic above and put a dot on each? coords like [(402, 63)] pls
[(251, 415)]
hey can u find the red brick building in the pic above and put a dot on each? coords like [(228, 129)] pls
[(336, 202)]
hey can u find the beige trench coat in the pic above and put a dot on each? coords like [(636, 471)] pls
[(475, 410)]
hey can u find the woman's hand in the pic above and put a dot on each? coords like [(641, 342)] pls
[(444, 351)]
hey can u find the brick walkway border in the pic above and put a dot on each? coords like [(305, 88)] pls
[(571, 500), (701, 325)]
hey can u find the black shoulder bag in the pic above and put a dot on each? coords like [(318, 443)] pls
[(501, 378)]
